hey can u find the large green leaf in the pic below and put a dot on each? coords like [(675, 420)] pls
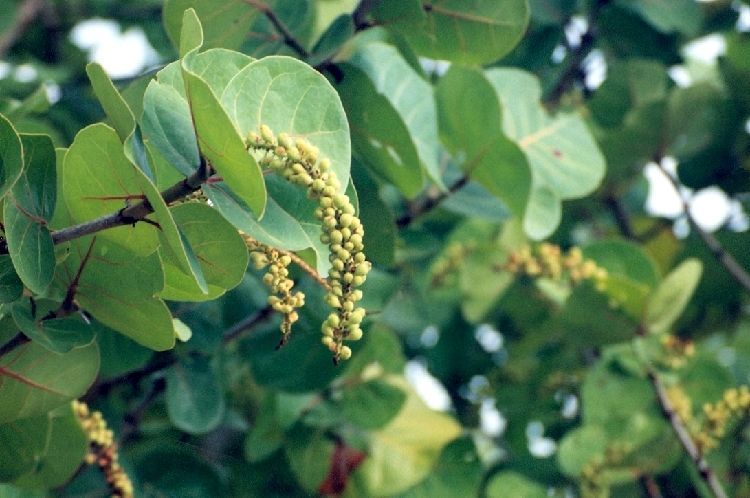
[(218, 248), (11, 156), (195, 400), (565, 161), (672, 296), (118, 287), (291, 97), (478, 32), (487, 155), (409, 94), (62, 450), (34, 380), (98, 178), (30, 246), (403, 452), (380, 139)]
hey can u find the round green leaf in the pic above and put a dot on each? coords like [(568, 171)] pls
[(291, 97), (478, 32), (11, 156), (34, 380), (195, 399)]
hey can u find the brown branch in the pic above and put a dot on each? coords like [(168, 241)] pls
[(308, 269), (17, 341), (717, 250), (573, 70), (130, 214), (359, 16), (704, 469), (620, 215), (429, 202), (164, 360), (283, 31), (239, 329), (26, 13)]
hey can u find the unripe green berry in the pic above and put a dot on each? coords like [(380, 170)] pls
[(337, 236), (355, 334), (333, 301), (266, 133), (360, 257), (345, 353), (345, 220), (358, 280)]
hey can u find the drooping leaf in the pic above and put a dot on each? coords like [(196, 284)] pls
[(217, 248), (111, 100), (99, 179), (409, 94), (34, 380), (380, 139), (470, 33), (672, 296), (30, 246), (220, 143), (167, 124), (195, 400), (11, 156), (36, 190)]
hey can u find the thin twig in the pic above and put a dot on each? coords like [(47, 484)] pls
[(26, 13), (704, 469), (132, 418), (308, 269), (429, 202), (717, 250), (650, 486), (286, 35), (620, 215), (130, 214)]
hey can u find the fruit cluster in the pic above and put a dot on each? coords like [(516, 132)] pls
[(548, 261), (103, 450), (450, 261), (735, 404), (298, 161), (281, 299)]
